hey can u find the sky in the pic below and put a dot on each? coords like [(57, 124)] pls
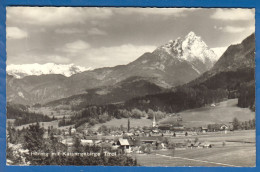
[(99, 37)]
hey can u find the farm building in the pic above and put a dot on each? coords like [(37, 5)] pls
[(125, 144), (150, 140), (67, 141), (194, 145), (179, 128), (204, 129), (85, 142), (206, 145), (73, 130)]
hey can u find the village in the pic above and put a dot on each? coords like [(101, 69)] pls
[(140, 139)]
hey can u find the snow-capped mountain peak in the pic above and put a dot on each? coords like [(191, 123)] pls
[(196, 49), (192, 35), (192, 49), (22, 70)]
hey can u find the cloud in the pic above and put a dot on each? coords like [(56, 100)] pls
[(58, 59), (30, 57), (232, 29), (96, 31), (92, 31), (115, 55), (68, 30), (53, 16), (233, 14), (75, 47), (15, 33), (82, 53), (235, 29), (177, 12)]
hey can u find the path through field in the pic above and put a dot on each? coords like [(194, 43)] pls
[(229, 156), (197, 160)]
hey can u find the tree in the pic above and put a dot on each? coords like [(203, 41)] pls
[(121, 127), (34, 138), (236, 124), (128, 125), (70, 131), (77, 145)]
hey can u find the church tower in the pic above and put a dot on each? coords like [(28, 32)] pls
[(154, 122)]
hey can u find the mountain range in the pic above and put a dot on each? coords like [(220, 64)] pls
[(20, 71), (175, 63)]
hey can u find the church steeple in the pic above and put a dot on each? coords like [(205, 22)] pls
[(154, 122)]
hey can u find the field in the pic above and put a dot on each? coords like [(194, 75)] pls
[(239, 150), (243, 136), (45, 125), (57, 112), (223, 112), (123, 121)]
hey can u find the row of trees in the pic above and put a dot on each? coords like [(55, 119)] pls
[(179, 100), (245, 125), (101, 114), (247, 95)]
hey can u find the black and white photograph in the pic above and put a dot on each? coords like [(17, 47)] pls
[(125, 86)]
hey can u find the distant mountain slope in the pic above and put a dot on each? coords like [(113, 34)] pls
[(172, 64), (33, 89), (122, 91)]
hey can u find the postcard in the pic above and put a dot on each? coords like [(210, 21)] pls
[(113, 86)]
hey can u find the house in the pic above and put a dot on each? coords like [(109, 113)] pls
[(165, 128), (149, 140), (226, 127), (197, 144), (85, 142), (125, 144), (179, 128), (73, 130), (204, 129), (67, 141), (206, 145), (213, 105), (129, 134), (155, 131), (194, 145)]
